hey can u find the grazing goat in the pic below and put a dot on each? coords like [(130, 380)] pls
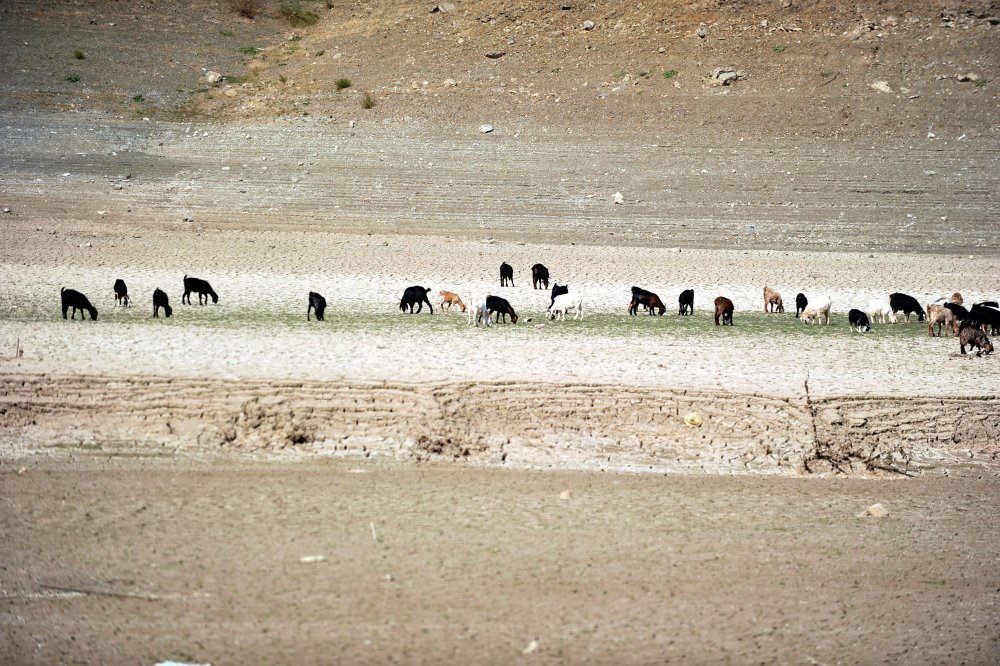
[(880, 311), (801, 302), (506, 275), (71, 298), (859, 321), (417, 296), (316, 303), (724, 310), (940, 315), (773, 300), (200, 287), (956, 298), (563, 304), (817, 312), (479, 312), (160, 300), (539, 276), (981, 316), (501, 307), (647, 299), (972, 337), (558, 290), (121, 293), (448, 299), (685, 302), (907, 304)]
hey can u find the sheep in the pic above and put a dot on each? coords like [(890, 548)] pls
[(563, 304), (724, 309), (160, 300), (316, 303), (972, 337), (449, 298), (907, 304), (940, 315), (801, 302), (539, 276), (817, 312), (200, 287), (478, 312), (415, 295), (685, 302), (71, 298), (772, 300), (502, 308), (647, 299), (880, 311), (506, 275), (858, 321), (557, 290), (121, 293)]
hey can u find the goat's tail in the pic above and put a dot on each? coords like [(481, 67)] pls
[(62, 289)]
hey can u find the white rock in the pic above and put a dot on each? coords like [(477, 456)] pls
[(618, 198), (588, 25), (881, 86), (486, 129), (212, 77)]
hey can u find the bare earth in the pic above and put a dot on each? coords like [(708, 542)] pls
[(531, 492)]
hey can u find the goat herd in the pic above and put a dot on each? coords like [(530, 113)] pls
[(969, 325)]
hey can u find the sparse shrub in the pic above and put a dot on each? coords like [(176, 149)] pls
[(226, 33), (138, 98), (644, 74), (980, 82), (780, 48), (72, 78), (367, 101), (826, 74), (282, 78), (297, 15), (342, 83), (249, 50), (670, 73), (619, 75), (296, 38), (320, 52), (78, 54), (247, 8), (556, 70), (329, 4)]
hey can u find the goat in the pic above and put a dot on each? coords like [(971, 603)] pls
[(821, 311), (121, 293), (71, 298), (981, 316), (972, 337), (724, 309), (557, 291), (859, 321), (956, 298), (506, 275), (647, 299), (685, 302), (801, 302), (907, 304), (450, 298), (940, 315), (415, 295), (539, 276), (478, 311), (880, 311), (773, 300), (160, 300), (563, 304), (502, 308), (200, 287), (316, 303)]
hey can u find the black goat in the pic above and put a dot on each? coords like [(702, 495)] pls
[(647, 299), (121, 293), (506, 275), (859, 321), (317, 303), (415, 295), (686, 302), (200, 287), (981, 316), (907, 304), (801, 303), (160, 300), (71, 298), (558, 291), (502, 308), (540, 276)]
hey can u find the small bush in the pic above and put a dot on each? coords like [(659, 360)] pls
[(826, 74), (670, 73), (78, 54), (226, 33), (249, 50), (138, 98), (297, 15), (247, 8), (320, 52), (619, 75), (72, 78), (367, 101), (296, 38), (780, 48), (282, 78), (980, 82), (342, 83)]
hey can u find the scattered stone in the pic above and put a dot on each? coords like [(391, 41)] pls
[(493, 55), (565, 6), (877, 510), (486, 129), (565, 495), (212, 77), (7, 211), (725, 76), (85, 245), (970, 76), (881, 86), (443, 7), (532, 647), (352, 123), (693, 419), (702, 33), (449, 83), (618, 198), (589, 25), (309, 559)]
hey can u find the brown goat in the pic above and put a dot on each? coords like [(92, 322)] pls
[(974, 338), (956, 298), (772, 299), (448, 299), (724, 309), (940, 315)]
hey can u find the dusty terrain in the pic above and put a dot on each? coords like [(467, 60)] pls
[(160, 479)]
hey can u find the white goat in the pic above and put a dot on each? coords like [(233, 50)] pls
[(476, 307), (819, 310), (563, 304), (879, 310)]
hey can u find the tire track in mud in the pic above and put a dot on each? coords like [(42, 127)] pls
[(527, 425)]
